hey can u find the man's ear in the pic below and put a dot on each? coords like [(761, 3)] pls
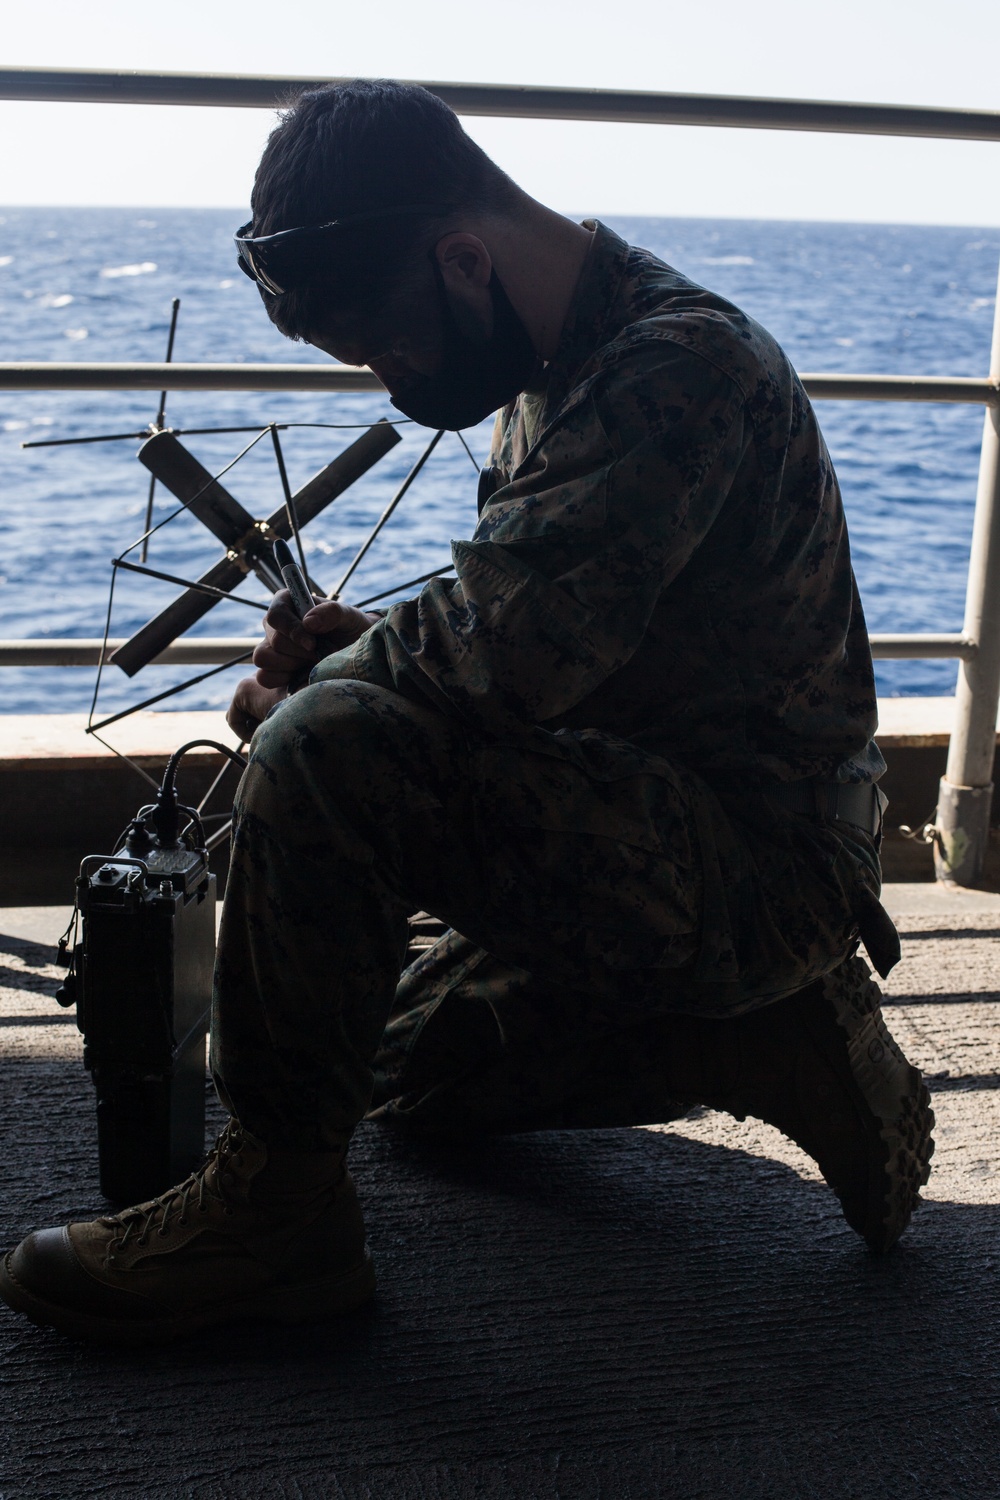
[(464, 262)]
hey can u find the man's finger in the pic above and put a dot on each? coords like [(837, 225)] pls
[(291, 648), (325, 618), (281, 619), (267, 679), (241, 724), (252, 702), (272, 656)]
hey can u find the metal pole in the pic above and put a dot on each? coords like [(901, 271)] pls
[(966, 791), (51, 375), (920, 647), (506, 100), (158, 424), (85, 651), (77, 375)]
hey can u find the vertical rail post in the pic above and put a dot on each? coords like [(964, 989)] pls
[(966, 790)]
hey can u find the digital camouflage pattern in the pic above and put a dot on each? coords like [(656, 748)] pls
[(565, 754), (582, 904), (664, 557)]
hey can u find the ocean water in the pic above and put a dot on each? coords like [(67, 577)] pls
[(96, 284)]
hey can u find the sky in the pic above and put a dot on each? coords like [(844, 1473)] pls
[(882, 51)]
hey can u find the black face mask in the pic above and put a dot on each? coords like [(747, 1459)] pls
[(478, 373)]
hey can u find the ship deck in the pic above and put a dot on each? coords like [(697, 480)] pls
[(677, 1310)]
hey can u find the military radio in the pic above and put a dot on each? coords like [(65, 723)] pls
[(140, 977)]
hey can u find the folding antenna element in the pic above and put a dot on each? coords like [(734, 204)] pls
[(247, 542)]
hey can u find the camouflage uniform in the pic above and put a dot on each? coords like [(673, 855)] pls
[(566, 754)]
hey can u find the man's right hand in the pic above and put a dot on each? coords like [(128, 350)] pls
[(293, 644)]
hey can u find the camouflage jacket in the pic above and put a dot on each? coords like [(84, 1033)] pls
[(661, 556)]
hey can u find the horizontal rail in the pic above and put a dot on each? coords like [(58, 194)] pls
[(499, 100), (84, 651), (210, 650), (78, 375), (949, 388), (51, 375), (921, 647)]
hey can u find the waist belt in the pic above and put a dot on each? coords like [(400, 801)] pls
[(859, 803)]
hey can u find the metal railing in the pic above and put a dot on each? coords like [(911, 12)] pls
[(505, 100), (212, 650), (76, 375), (961, 828)]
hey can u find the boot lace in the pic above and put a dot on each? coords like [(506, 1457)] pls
[(173, 1207)]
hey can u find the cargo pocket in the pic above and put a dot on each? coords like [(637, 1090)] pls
[(589, 848)]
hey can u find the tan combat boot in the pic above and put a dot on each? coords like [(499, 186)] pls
[(821, 1066), (252, 1235)]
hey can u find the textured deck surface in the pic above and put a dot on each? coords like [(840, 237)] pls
[(626, 1314)]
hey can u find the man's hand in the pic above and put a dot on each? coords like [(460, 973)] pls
[(291, 648), (293, 644), (250, 706)]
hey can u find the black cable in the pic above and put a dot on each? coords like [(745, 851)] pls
[(170, 770), (215, 784), (165, 816), (194, 821)]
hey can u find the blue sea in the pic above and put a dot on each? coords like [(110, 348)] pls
[(97, 284)]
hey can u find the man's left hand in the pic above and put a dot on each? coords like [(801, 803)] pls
[(291, 646), (251, 705)]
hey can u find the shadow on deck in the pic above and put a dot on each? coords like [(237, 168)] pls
[(615, 1314)]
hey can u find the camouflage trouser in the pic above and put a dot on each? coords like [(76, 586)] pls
[(596, 889)]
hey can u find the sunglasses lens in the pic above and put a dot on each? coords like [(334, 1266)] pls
[(250, 262)]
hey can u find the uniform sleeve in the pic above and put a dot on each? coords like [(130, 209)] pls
[(554, 592)]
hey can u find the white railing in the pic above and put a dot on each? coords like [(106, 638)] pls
[(963, 816)]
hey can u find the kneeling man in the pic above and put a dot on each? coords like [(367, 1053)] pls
[(625, 753)]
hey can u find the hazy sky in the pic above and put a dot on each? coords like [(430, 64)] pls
[(893, 51)]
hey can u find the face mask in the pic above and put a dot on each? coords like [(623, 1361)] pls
[(478, 373)]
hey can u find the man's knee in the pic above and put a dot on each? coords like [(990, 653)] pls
[(329, 727), (351, 744)]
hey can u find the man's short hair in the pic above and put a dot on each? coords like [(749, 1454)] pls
[(357, 146)]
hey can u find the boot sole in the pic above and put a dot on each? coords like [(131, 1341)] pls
[(852, 1081), (895, 1106), (303, 1302)]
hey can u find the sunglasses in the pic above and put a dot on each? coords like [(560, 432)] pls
[(276, 262)]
